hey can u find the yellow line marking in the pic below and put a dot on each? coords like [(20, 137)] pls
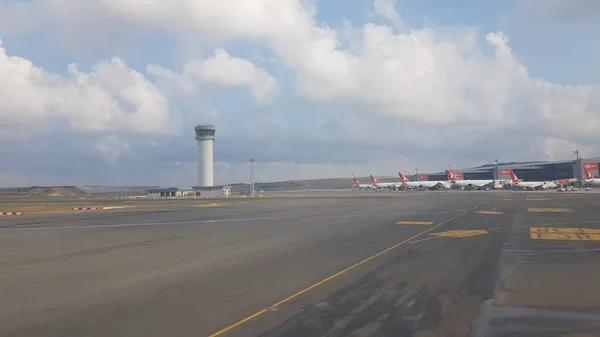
[(461, 233), (565, 236), (224, 330), (236, 324), (429, 238), (558, 233), (488, 212), (568, 230), (212, 204), (548, 210), (414, 223)]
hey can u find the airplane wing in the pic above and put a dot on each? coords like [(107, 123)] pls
[(531, 185), (443, 184)]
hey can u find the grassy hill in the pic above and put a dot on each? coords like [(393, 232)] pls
[(64, 191)]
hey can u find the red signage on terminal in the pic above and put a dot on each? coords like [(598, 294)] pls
[(590, 166), (505, 172), (563, 181), (459, 175), (423, 177)]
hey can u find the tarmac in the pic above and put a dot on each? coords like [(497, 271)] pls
[(447, 263)]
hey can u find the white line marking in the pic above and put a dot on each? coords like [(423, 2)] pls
[(35, 228)]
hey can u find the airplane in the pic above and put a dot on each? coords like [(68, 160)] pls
[(363, 186), (546, 185), (480, 184), (378, 184), (589, 178), (423, 184)]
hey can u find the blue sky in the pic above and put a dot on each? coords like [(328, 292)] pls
[(309, 88)]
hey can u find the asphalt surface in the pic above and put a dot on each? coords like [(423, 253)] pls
[(326, 264)]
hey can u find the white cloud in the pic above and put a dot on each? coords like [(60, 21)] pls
[(225, 70), (173, 84), (560, 149), (285, 25), (111, 147), (387, 9), (424, 75), (444, 82), (221, 69), (113, 97)]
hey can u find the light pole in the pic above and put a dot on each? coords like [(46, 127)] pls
[(577, 168), (251, 177), (497, 172)]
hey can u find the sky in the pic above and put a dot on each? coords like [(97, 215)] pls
[(97, 92)]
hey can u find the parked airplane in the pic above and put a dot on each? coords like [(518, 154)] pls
[(378, 184), (546, 185), (406, 183), (363, 186), (479, 184), (589, 177)]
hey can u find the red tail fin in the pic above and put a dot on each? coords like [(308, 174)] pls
[(450, 175), (356, 181), (403, 178), (515, 179), (588, 174), (374, 180)]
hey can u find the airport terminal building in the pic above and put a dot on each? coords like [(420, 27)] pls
[(527, 171)]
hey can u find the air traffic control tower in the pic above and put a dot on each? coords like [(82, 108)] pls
[(205, 135)]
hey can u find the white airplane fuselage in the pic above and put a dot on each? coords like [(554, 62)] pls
[(426, 184), (594, 181), (472, 183)]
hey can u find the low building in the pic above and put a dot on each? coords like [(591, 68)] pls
[(212, 191), (161, 192), (190, 192), (183, 192)]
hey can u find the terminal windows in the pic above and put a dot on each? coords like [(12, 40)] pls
[(205, 133)]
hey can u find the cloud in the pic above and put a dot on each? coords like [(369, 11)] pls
[(560, 149), (430, 75), (173, 84), (387, 9), (111, 147), (113, 97), (284, 25), (368, 92), (223, 69)]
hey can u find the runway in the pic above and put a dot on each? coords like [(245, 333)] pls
[(326, 264)]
